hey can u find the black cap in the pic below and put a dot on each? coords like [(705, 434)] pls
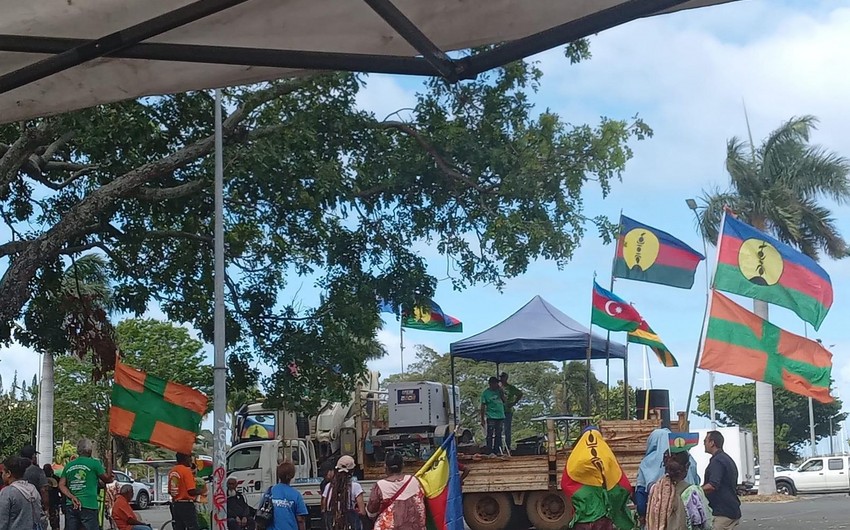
[(28, 451)]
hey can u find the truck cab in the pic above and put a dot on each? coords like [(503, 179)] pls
[(254, 465), (821, 474)]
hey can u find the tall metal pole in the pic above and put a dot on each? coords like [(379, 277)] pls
[(401, 341), (811, 406), (692, 204), (219, 369)]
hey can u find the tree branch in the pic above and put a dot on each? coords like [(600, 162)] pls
[(18, 153), (165, 194)]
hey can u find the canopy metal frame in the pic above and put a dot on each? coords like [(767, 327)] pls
[(129, 43)]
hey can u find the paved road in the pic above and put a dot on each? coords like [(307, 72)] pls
[(812, 512)]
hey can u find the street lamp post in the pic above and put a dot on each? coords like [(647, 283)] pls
[(692, 204)]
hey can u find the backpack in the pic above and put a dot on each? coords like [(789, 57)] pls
[(37, 522)]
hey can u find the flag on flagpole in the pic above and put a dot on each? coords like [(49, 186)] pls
[(647, 254), (753, 264), (152, 410), (646, 336), (440, 480), (612, 312), (428, 316), (738, 342)]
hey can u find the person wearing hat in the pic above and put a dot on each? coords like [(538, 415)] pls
[(35, 475), (343, 497), (675, 503)]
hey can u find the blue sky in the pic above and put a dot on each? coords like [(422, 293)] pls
[(687, 75)]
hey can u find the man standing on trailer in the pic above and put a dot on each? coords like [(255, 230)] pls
[(512, 397), (493, 415)]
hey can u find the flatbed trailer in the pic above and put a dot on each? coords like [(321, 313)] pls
[(502, 493)]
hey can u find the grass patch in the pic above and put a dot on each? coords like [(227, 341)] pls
[(776, 498)]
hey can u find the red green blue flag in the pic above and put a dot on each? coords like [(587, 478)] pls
[(612, 312), (647, 254), (440, 480), (428, 316), (682, 441), (595, 484), (753, 264)]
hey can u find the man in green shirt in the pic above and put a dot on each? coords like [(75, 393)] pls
[(493, 415), (79, 485), (512, 397)]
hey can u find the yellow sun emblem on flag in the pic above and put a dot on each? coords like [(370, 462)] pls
[(640, 248), (422, 314), (760, 262)]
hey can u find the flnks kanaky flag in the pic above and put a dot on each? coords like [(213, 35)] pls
[(595, 484), (647, 254), (152, 410), (753, 264), (440, 480), (429, 316), (612, 312), (738, 342)]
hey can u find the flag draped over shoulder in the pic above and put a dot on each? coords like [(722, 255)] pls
[(647, 254), (755, 265), (595, 483), (440, 480), (644, 335), (611, 312), (738, 342), (428, 316), (149, 409)]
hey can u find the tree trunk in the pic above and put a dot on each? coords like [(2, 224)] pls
[(45, 398), (764, 423)]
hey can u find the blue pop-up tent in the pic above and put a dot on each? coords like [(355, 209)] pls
[(539, 331)]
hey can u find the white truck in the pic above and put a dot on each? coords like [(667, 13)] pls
[(821, 474), (738, 444)]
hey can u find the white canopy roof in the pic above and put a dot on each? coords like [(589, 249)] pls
[(212, 43)]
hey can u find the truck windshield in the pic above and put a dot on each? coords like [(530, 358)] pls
[(243, 459)]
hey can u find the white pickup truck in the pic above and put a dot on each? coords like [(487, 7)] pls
[(821, 474)]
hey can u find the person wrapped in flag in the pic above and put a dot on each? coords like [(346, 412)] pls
[(596, 486), (440, 479)]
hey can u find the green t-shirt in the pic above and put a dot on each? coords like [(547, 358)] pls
[(81, 478), (512, 394), (494, 407)]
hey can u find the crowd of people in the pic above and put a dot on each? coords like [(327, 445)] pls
[(668, 495)]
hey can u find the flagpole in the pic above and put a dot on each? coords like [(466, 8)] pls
[(608, 340), (219, 369), (589, 348), (401, 340), (692, 205), (811, 406)]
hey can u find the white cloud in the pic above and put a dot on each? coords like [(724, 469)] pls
[(16, 358), (384, 95)]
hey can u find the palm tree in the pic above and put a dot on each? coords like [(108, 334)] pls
[(84, 285), (778, 188)]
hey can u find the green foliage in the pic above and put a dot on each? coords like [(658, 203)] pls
[(316, 191), (779, 186), (159, 348), (17, 419), (736, 406)]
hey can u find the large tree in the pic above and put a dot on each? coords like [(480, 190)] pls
[(779, 187), (734, 404), (317, 191)]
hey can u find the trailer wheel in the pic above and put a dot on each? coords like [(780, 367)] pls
[(487, 511), (548, 510)]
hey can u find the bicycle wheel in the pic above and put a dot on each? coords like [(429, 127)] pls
[(167, 525)]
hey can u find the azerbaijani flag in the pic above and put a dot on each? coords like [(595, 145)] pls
[(595, 484), (152, 410), (644, 335), (612, 312), (440, 480), (428, 316), (755, 265), (738, 342), (647, 254)]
